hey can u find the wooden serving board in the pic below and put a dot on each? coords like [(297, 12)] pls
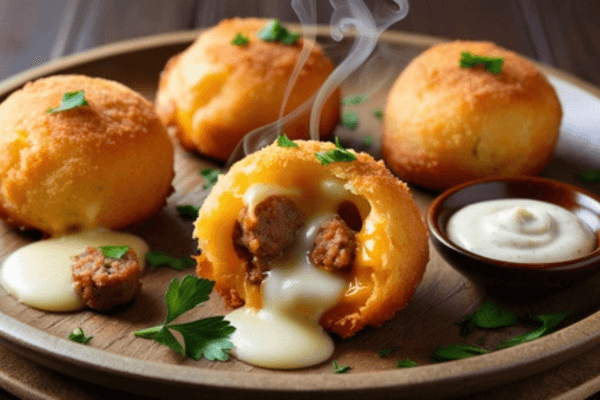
[(116, 359)]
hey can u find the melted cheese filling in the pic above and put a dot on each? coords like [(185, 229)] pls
[(285, 333), (39, 274)]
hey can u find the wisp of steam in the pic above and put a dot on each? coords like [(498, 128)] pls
[(368, 27)]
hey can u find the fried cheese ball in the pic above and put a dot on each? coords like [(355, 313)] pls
[(215, 92), (375, 238), (106, 164), (445, 125)]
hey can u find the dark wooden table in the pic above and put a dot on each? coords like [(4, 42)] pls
[(558, 33)]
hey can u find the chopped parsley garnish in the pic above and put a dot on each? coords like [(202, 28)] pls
[(337, 154), (274, 31), (549, 321), (208, 337), (340, 369), (188, 212), (378, 114), (491, 64), (386, 352), (368, 141), (240, 40), (457, 351), (590, 176), (489, 315), (69, 101), (407, 363), (158, 258), (79, 336), (210, 175), (350, 119), (284, 141), (354, 100), (115, 252)]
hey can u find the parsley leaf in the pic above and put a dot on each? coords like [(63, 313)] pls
[(274, 31), (69, 101), (115, 252), (157, 258), (491, 64), (207, 337), (457, 351), (350, 119), (338, 154), (353, 100), (211, 175), (378, 114), (78, 336), (590, 176), (240, 40), (368, 141), (188, 212), (386, 352), (284, 141), (407, 363), (340, 369), (549, 321), (491, 315)]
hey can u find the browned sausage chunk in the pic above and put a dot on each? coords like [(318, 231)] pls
[(271, 227), (103, 282), (335, 246)]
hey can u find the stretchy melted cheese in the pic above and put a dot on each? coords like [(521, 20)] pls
[(39, 274)]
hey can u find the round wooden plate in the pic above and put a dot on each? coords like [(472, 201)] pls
[(115, 358)]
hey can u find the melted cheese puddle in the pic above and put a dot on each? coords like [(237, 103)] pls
[(39, 274), (285, 333)]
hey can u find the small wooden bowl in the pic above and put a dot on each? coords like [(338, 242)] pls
[(502, 277)]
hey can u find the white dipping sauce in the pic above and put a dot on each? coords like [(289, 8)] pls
[(39, 274), (520, 230), (285, 333)]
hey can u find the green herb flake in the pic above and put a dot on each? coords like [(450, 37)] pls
[(77, 335), (350, 119), (407, 363), (354, 100), (274, 31), (491, 64), (207, 337), (457, 351), (368, 141), (240, 40), (335, 155), (467, 323), (491, 315), (115, 252), (188, 212), (482, 339), (158, 258), (211, 175), (69, 101), (378, 114), (590, 176), (386, 352), (284, 141), (340, 369), (549, 321)]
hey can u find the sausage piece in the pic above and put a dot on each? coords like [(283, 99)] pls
[(103, 282), (335, 246)]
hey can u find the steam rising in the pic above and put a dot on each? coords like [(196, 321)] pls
[(368, 27)]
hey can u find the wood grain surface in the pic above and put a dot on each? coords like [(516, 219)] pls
[(562, 34)]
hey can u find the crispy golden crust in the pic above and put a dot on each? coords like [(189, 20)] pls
[(445, 124), (215, 92), (392, 245), (107, 164)]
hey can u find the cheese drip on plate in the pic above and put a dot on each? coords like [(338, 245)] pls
[(285, 333), (39, 274)]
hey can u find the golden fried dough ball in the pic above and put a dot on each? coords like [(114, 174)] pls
[(445, 125), (381, 222), (107, 164), (215, 92)]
